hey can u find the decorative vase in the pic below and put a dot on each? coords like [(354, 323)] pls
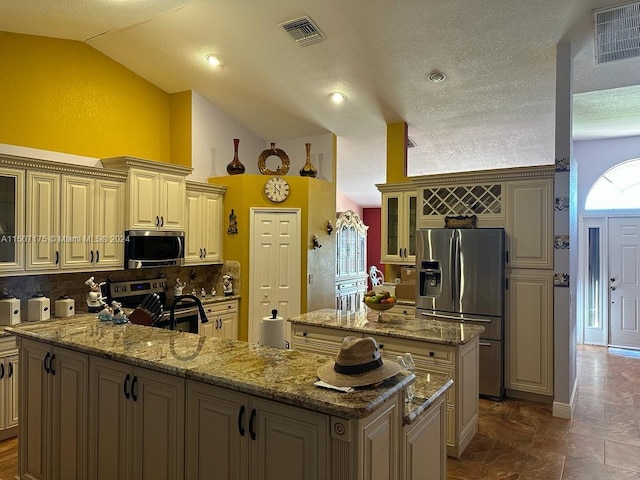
[(308, 170), (235, 167)]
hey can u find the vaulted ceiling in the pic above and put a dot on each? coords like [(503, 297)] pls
[(495, 109)]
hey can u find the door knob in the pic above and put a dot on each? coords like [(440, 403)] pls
[(612, 279), (612, 288)]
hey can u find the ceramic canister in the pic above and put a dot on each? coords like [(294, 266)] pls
[(9, 311), (65, 307), (38, 309)]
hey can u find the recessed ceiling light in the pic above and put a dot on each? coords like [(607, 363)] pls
[(213, 60), (437, 77), (337, 97)]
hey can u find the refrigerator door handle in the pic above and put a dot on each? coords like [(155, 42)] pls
[(452, 268), (458, 319)]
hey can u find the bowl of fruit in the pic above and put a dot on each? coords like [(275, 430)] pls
[(379, 301)]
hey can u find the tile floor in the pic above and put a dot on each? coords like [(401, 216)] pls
[(520, 440)]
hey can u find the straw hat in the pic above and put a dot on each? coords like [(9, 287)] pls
[(358, 364)]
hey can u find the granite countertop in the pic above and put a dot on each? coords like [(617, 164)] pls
[(428, 387), (286, 376), (365, 321)]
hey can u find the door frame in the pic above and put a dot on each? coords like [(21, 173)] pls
[(251, 334)]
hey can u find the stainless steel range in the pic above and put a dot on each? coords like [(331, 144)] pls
[(187, 309)]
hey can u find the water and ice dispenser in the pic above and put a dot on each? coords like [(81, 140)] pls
[(430, 278)]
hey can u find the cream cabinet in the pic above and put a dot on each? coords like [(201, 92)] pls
[(239, 436), (529, 332), (12, 217), (74, 222), (222, 320), (92, 223), (399, 223), (529, 225), (204, 223), (52, 428), (8, 387), (155, 193), (423, 454), (136, 422), (156, 200)]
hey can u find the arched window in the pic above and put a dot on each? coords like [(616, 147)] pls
[(618, 188)]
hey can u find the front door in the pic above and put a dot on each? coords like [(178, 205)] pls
[(274, 267), (624, 282)]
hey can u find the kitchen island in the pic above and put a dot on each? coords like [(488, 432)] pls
[(99, 400), (444, 348)]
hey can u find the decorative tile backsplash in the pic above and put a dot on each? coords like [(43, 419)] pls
[(561, 242), (562, 164), (56, 285), (561, 204)]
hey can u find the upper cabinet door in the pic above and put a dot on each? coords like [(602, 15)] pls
[(144, 195), (43, 220), (12, 216), (76, 228), (171, 206), (398, 242), (109, 224), (212, 231), (530, 223), (193, 229)]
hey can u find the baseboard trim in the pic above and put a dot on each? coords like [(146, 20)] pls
[(565, 410), (534, 397)]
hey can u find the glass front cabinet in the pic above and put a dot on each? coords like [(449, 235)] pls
[(12, 216), (398, 242)]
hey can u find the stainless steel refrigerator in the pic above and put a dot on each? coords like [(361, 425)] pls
[(461, 279)]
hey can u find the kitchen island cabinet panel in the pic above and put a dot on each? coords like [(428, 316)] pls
[(53, 433), (241, 436), (422, 449), (137, 422), (441, 348)]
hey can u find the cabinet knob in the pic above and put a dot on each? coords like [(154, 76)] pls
[(381, 345), (304, 334), (431, 354)]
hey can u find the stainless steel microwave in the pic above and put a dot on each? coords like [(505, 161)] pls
[(152, 248)]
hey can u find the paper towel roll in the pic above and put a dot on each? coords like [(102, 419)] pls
[(272, 332)]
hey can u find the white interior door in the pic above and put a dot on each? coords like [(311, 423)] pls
[(274, 267), (624, 282)]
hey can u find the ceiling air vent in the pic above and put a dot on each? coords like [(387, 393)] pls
[(617, 33), (303, 30)]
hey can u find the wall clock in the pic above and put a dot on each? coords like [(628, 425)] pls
[(276, 189)]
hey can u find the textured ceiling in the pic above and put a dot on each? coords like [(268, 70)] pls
[(496, 108)]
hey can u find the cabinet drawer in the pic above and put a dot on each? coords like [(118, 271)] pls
[(430, 352), (7, 343), (323, 348), (407, 310), (221, 307), (304, 333)]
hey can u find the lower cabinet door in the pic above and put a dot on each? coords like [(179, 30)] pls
[(216, 440), (424, 455), (136, 426), (158, 425), (108, 429), (288, 443)]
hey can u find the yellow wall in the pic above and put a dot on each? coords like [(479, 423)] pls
[(397, 152), (64, 96), (316, 201)]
